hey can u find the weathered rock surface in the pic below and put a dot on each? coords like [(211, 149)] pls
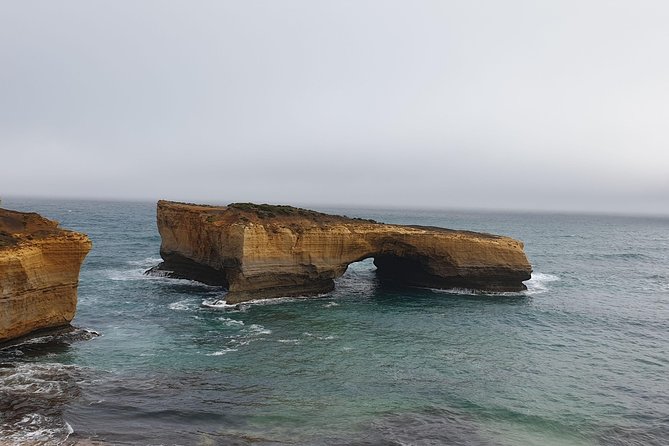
[(262, 251), (39, 273)]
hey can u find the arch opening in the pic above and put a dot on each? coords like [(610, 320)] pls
[(402, 270), (393, 270)]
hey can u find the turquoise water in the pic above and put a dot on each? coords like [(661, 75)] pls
[(581, 358)]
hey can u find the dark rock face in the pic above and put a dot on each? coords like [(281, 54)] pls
[(179, 267), (262, 251)]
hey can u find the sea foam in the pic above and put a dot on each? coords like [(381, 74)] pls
[(222, 352), (539, 283), (181, 305), (138, 272), (35, 395), (231, 322)]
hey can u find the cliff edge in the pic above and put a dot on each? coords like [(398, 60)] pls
[(39, 273), (264, 251)]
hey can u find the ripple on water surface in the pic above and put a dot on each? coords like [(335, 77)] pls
[(580, 358)]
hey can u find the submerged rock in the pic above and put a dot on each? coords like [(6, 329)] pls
[(263, 251), (39, 273)]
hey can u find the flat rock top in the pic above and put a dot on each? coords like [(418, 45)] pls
[(289, 216), (259, 213), (16, 227)]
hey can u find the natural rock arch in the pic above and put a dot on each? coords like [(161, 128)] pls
[(262, 251)]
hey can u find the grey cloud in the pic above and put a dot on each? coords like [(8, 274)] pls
[(517, 105)]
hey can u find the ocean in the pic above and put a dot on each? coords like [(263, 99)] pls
[(580, 358)]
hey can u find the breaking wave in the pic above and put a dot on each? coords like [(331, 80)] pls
[(138, 271), (33, 398), (539, 283)]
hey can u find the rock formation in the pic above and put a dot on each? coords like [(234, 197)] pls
[(263, 251), (39, 273)]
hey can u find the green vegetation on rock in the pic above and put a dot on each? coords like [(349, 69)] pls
[(273, 210)]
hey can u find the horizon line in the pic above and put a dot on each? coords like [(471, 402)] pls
[(444, 208)]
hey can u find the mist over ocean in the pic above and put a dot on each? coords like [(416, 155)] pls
[(580, 358)]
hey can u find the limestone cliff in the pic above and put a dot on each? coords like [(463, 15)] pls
[(39, 273), (262, 251)]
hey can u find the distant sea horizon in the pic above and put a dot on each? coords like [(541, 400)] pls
[(355, 206)]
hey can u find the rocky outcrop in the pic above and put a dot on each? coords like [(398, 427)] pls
[(39, 273), (262, 251)]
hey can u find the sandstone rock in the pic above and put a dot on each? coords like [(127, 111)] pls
[(263, 251), (39, 273)]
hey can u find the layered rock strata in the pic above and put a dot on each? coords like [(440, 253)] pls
[(263, 251), (39, 273)]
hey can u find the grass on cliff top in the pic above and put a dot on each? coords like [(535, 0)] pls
[(274, 210)]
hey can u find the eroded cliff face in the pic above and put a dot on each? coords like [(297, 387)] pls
[(261, 251), (39, 273)]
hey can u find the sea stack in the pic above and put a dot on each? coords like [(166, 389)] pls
[(39, 273), (265, 251)]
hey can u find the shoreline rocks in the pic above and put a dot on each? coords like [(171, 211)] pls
[(264, 251), (39, 273)]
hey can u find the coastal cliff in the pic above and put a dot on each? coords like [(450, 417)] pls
[(39, 273), (263, 251)]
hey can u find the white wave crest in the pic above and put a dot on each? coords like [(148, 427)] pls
[(472, 292), (279, 300), (258, 329), (219, 304), (35, 387), (222, 352), (247, 335), (182, 305), (231, 322), (145, 263), (134, 274), (320, 338), (538, 283)]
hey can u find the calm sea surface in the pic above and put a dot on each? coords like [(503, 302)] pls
[(581, 358)]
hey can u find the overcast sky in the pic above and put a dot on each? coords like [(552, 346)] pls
[(544, 105)]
